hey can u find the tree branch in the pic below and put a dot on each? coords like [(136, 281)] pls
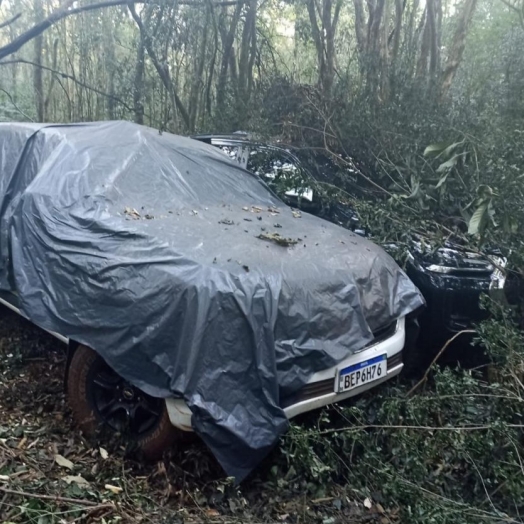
[(65, 11), (10, 21), (15, 106), (69, 77), (161, 68)]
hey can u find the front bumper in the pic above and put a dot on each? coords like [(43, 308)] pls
[(320, 389)]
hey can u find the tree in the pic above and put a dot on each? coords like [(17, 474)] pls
[(324, 17)]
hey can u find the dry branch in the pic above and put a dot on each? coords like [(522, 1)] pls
[(438, 355), (56, 498)]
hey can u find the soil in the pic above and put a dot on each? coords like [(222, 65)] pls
[(50, 473)]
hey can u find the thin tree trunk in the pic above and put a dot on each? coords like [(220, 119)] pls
[(247, 53), (194, 95), (228, 39), (37, 71), (457, 46), (360, 30), (53, 77), (162, 70), (138, 85)]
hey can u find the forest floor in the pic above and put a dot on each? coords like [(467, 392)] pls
[(49, 473)]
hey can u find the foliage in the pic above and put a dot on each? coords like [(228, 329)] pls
[(449, 452), (421, 107)]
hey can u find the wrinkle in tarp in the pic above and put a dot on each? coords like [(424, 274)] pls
[(146, 247)]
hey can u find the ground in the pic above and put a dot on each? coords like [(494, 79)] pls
[(50, 473)]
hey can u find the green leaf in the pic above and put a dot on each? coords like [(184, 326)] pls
[(442, 180), (449, 164), (448, 150), (434, 148), (478, 219)]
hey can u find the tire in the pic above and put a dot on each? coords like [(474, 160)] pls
[(104, 403)]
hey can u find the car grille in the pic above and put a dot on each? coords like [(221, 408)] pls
[(327, 386)]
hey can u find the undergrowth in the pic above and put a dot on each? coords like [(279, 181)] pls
[(449, 451)]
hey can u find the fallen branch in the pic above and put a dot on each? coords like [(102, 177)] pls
[(439, 354), (417, 428), (57, 498)]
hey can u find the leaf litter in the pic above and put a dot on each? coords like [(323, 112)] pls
[(67, 478)]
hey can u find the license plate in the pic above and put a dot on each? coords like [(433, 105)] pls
[(359, 374)]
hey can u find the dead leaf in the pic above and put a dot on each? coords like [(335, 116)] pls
[(21, 444), (212, 512), (62, 461), (280, 240), (4, 478), (368, 503), (297, 214), (256, 209), (380, 509), (114, 489), (80, 481), (103, 453), (132, 212)]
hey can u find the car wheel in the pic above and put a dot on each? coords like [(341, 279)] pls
[(101, 400)]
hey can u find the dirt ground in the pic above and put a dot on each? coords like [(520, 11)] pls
[(50, 473)]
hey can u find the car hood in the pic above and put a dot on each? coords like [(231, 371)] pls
[(186, 273)]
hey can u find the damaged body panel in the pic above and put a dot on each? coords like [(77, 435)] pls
[(145, 247)]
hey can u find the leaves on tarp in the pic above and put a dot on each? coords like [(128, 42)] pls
[(278, 239), (132, 213), (296, 214), (226, 221)]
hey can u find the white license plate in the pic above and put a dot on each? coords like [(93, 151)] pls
[(359, 374)]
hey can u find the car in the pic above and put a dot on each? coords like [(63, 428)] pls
[(188, 295), (451, 277)]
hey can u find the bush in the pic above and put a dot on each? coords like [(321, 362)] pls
[(450, 451)]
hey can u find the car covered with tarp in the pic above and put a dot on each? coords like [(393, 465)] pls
[(188, 292)]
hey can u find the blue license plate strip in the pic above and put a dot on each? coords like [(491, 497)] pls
[(360, 365)]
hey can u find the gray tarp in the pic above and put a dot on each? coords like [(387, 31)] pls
[(185, 300)]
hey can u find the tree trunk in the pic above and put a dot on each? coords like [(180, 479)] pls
[(360, 29), (196, 84), (247, 53), (373, 59), (457, 46), (37, 71), (228, 39), (324, 22), (138, 86), (109, 64), (162, 70)]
